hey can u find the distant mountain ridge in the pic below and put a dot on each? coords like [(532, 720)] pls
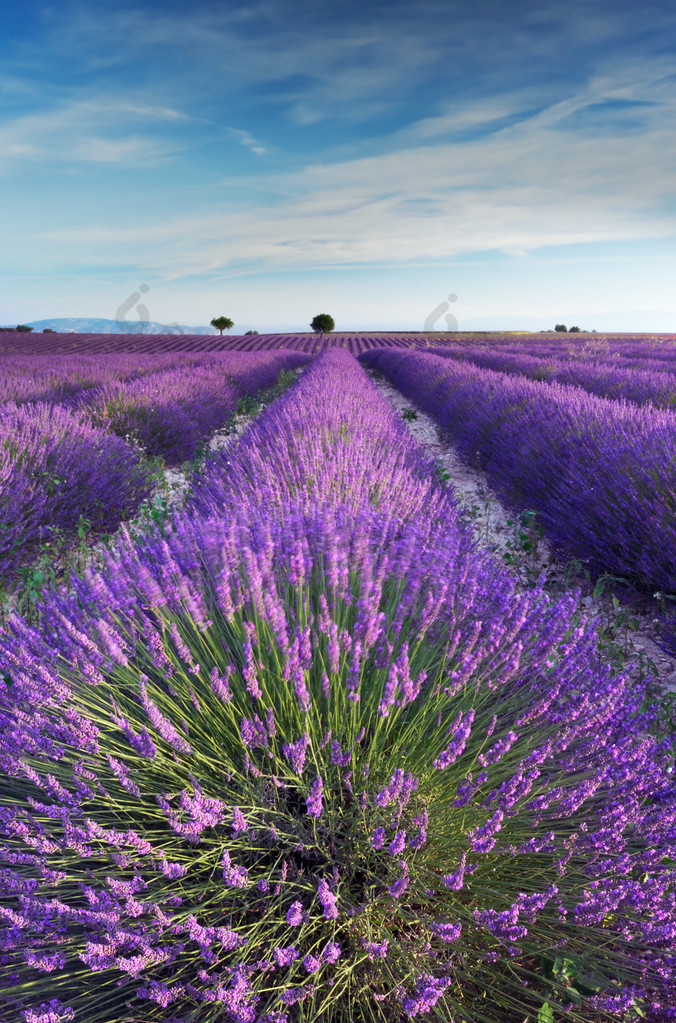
[(83, 325)]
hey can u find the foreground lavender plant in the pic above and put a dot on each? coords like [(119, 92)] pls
[(296, 763)]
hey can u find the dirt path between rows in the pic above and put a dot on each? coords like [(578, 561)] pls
[(501, 532)]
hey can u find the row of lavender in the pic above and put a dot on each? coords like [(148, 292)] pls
[(309, 755), (172, 344), (643, 346), (656, 352), (609, 376), (165, 404), (86, 457), (601, 474), (61, 379)]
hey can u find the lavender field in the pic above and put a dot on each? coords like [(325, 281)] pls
[(301, 748)]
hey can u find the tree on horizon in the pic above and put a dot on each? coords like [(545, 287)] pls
[(222, 323), (323, 323)]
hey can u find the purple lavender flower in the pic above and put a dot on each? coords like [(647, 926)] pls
[(339, 758), (398, 844), (314, 800), (294, 916), (398, 888), (425, 996), (328, 901), (286, 956), (455, 880), (375, 950), (238, 822), (52, 1012), (378, 838), (483, 839), (446, 931), (236, 877), (312, 963), (460, 730), (295, 753), (293, 995), (331, 953)]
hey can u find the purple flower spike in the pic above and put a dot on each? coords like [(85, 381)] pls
[(483, 839), (294, 917), (51, 1012), (398, 844), (427, 992), (378, 838), (447, 932), (286, 956), (238, 822), (375, 950), (455, 881), (460, 729), (295, 753), (314, 800), (331, 953), (328, 901), (397, 889), (235, 877)]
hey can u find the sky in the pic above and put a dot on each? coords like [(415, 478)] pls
[(455, 165)]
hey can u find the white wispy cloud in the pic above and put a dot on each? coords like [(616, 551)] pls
[(74, 131), (249, 141), (515, 190)]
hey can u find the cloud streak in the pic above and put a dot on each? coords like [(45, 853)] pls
[(514, 190), (74, 132)]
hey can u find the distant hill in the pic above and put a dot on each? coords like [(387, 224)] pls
[(83, 325)]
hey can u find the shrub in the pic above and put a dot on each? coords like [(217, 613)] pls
[(56, 468)]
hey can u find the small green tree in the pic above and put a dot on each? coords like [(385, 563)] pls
[(252, 331), (322, 323), (560, 327), (23, 328), (222, 323), (573, 330)]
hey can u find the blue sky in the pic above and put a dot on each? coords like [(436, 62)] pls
[(275, 159)]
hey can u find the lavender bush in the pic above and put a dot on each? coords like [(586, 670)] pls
[(609, 379), (64, 379), (317, 759), (168, 414), (600, 473), (54, 469)]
